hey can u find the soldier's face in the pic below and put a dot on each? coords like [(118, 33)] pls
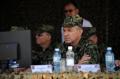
[(72, 34), (42, 38), (70, 10)]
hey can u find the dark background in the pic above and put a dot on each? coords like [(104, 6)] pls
[(103, 14)]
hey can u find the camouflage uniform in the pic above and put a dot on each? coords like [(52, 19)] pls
[(83, 47), (89, 31), (40, 55)]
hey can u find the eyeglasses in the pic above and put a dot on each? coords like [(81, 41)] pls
[(66, 11)]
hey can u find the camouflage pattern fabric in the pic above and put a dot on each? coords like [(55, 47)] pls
[(84, 47), (73, 21), (89, 31), (41, 56), (44, 28)]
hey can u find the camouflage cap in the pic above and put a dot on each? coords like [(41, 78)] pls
[(45, 28), (89, 31), (72, 21)]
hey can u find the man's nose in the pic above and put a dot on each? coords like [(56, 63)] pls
[(68, 14), (65, 33), (36, 36)]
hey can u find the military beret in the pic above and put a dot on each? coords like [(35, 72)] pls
[(72, 21), (44, 28)]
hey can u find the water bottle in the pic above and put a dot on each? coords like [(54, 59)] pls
[(56, 60), (69, 59), (109, 60)]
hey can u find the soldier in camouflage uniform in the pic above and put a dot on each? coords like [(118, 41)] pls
[(93, 37), (43, 52), (85, 53)]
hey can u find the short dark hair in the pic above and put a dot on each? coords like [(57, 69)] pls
[(72, 2)]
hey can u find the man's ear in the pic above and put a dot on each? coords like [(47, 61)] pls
[(81, 31), (77, 11), (49, 36)]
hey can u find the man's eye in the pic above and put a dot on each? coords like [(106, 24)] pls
[(39, 34), (70, 30)]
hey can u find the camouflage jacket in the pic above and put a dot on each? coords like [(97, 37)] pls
[(83, 47), (40, 56)]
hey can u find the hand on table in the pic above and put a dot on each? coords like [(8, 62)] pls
[(85, 59)]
